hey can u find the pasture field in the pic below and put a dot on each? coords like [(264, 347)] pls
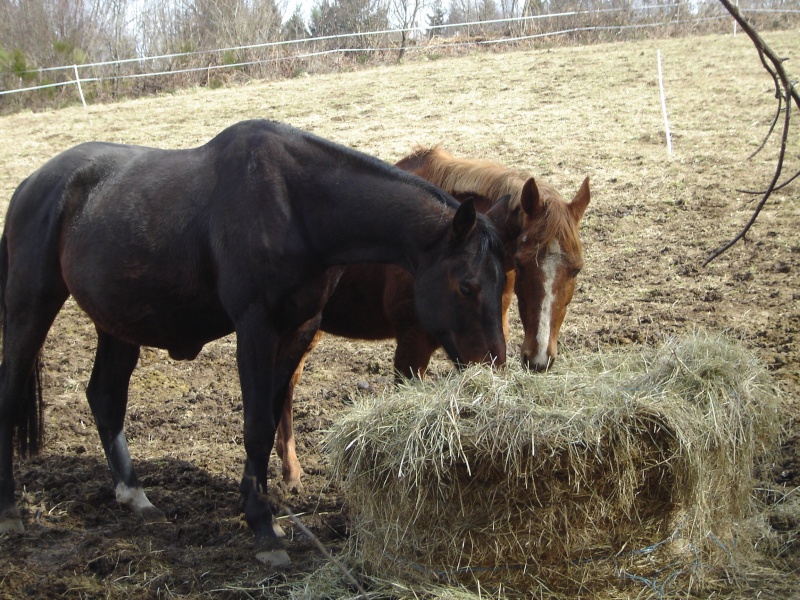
[(561, 114)]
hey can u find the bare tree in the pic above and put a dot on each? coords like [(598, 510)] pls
[(405, 14), (462, 11), (510, 9), (786, 95), (49, 32), (487, 11), (155, 24), (234, 22), (116, 34)]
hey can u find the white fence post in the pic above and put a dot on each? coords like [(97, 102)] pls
[(78, 81), (664, 105)]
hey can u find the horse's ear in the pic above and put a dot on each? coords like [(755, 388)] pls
[(581, 200), (464, 220), (498, 213), (529, 199)]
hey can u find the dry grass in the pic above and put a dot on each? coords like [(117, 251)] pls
[(629, 465)]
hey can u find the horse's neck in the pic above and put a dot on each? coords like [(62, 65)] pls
[(358, 210), (391, 223)]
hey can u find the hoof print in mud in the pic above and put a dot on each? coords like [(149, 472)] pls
[(277, 559)]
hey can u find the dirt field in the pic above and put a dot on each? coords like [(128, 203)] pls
[(561, 115)]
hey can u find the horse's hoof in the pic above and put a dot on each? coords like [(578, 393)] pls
[(11, 521), (276, 559), (291, 479), (294, 486), (12, 525), (136, 500), (151, 515)]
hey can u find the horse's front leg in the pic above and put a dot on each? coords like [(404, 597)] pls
[(415, 346), (107, 393), (257, 343)]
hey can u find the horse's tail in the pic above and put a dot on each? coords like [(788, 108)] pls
[(27, 412)]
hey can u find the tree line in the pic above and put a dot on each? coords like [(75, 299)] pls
[(198, 37)]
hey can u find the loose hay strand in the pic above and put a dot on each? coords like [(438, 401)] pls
[(631, 466)]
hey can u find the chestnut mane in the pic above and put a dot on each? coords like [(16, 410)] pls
[(491, 180)]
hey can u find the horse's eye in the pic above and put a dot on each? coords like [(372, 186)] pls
[(466, 289)]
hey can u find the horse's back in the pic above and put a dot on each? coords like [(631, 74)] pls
[(123, 229), (34, 220), (48, 205), (161, 247), (79, 168)]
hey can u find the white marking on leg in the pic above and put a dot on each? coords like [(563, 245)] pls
[(135, 498), (549, 268)]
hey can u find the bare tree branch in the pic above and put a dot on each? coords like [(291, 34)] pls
[(785, 92), (778, 110), (777, 187)]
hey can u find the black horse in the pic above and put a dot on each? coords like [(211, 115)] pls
[(175, 248)]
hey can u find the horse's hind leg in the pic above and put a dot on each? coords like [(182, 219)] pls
[(18, 394), (284, 440), (29, 314), (107, 393)]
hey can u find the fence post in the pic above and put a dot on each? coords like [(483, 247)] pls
[(78, 82), (664, 105)]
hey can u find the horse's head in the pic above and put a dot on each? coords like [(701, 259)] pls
[(459, 287), (548, 258)]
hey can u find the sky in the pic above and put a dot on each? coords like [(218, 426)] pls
[(305, 6)]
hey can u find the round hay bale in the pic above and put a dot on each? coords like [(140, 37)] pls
[(631, 465)]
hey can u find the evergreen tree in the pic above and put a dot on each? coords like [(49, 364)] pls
[(295, 27), (331, 17), (337, 17), (436, 18)]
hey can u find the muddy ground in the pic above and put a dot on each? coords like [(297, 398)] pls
[(560, 114)]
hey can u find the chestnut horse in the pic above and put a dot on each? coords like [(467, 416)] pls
[(175, 248), (543, 256)]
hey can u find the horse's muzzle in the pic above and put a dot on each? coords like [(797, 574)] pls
[(494, 357), (530, 361)]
